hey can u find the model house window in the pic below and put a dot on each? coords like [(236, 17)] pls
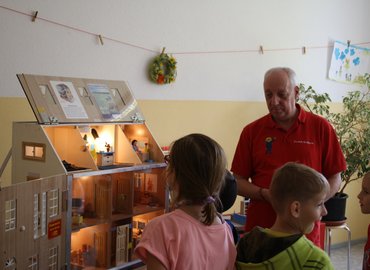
[(39, 215), (10, 215), (35, 216), (43, 214), (53, 200), (53, 258), (33, 263), (33, 151)]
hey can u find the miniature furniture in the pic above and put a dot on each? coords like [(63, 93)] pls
[(335, 225), (84, 132)]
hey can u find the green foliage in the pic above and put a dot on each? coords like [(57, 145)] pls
[(352, 126), (163, 69)]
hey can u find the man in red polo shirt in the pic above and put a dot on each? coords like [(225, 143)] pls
[(287, 133)]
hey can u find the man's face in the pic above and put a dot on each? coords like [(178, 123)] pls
[(280, 96)]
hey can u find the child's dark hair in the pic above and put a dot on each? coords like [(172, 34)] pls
[(295, 182), (198, 165)]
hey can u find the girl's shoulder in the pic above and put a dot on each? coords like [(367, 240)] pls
[(176, 216)]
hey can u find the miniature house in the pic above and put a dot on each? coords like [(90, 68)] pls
[(91, 136)]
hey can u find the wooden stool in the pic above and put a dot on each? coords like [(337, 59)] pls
[(331, 225)]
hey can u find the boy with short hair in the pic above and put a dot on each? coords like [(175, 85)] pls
[(297, 195), (364, 200)]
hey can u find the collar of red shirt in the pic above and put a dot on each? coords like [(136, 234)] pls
[(301, 117)]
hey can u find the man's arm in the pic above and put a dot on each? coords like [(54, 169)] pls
[(334, 181), (249, 190)]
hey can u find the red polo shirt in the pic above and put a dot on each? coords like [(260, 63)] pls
[(264, 146)]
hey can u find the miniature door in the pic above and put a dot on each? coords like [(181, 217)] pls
[(32, 224)]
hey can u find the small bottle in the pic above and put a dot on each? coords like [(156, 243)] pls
[(145, 153), (93, 151), (246, 205), (139, 181), (146, 148), (85, 147)]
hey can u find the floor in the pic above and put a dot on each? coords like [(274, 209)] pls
[(339, 256)]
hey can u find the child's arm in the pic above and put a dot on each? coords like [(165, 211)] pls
[(152, 263)]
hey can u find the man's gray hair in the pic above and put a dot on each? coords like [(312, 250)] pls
[(290, 72)]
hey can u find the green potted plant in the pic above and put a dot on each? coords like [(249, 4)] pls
[(352, 125)]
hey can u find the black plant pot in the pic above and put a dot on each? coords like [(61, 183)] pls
[(336, 207)]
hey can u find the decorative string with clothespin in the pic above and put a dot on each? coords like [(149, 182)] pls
[(35, 16), (348, 43), (304, 50), (101, 39)]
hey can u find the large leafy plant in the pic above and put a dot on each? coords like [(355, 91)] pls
[(352, 125)]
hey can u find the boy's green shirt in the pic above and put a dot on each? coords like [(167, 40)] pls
[(259, 249)]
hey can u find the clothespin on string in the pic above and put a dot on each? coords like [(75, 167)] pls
[(101, 39), (261, 49), (163, 50), (34, 16), (304, 50), (348, 43)]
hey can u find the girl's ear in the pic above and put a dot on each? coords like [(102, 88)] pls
[(295, 209)]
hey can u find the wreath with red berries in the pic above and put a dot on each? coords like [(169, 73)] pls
[(163, 69)]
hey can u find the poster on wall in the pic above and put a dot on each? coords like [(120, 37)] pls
[(349, 63), (69, 100)]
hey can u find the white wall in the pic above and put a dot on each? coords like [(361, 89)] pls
[(188, 26)]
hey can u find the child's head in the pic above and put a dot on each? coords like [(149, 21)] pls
[(298, 192), (196, 172), (364, 195)]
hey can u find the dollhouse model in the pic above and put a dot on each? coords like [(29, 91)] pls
[(90, 191)]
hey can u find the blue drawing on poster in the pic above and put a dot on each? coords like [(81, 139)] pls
[(349, 63)]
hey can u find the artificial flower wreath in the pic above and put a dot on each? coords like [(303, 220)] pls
[(163, 69)]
